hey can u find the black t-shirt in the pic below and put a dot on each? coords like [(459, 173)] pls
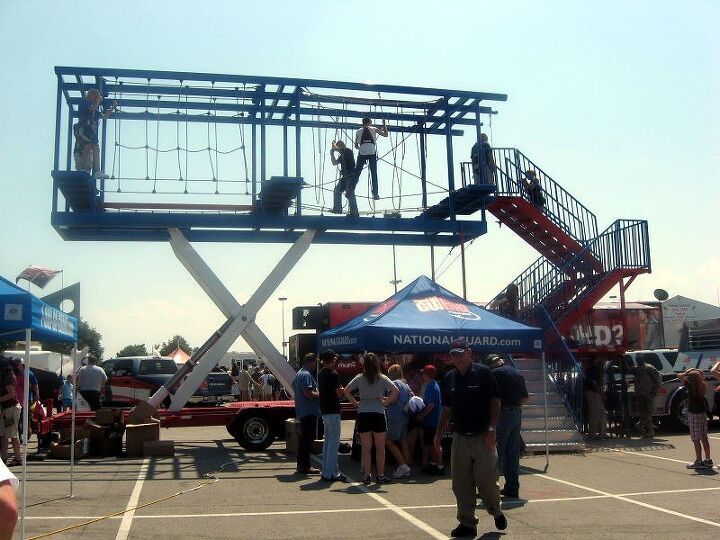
[(347, 162), (469, 397), (511, 384), (696, 403), (7, 378), (594, 378), (328, 383)]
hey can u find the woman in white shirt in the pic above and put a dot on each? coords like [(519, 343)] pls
[(371, 423)]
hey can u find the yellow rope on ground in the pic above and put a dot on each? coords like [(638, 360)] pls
[(215, 479)]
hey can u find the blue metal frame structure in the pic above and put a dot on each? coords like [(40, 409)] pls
[(80, 210)]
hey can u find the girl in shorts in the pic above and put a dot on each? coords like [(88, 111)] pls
[(694, 380), (372, 386)]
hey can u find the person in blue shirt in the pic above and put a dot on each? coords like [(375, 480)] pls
[(307, 410), (66, 393), (86, 132), (429, 418)]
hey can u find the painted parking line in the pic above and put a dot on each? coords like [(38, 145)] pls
[(631, 501), (642, 454), (506, 503), (420, 524), (127, 517)]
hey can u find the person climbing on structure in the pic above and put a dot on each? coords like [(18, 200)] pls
[(87, 129), (365, 138), (347, 180)]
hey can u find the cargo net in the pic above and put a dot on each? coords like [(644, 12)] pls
[(197, 142)]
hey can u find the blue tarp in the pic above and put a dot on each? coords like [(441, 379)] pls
[(20, 310), (426, 317)]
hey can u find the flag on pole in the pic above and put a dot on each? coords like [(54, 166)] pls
[(37, 276)]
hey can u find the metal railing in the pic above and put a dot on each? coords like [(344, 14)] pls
[(560, 206), (559, 288), (563, 369)]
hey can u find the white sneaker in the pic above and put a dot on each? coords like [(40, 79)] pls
[(403, 471), (102, 175)]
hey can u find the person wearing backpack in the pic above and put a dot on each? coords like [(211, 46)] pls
[(365, 139), (397, 419)]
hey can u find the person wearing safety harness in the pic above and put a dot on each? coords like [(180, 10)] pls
[(365, 138), (346, 160)]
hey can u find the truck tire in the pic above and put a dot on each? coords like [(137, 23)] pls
[(678, 419), (252, 431)]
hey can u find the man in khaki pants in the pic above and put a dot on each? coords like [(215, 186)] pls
[(470, 396)]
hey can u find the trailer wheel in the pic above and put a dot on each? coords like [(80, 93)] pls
[(678, 419), (252, 432)]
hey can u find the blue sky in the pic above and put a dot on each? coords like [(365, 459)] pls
[(617, 101)]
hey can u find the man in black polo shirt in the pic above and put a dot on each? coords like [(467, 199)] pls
[(513, 394), (347, 181), (471, 397)]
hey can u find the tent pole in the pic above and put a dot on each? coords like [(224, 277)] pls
[(545, 414), (26, 378), (72, 422)]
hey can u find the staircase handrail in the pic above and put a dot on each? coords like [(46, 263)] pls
[(560, 203), (546, 276), (564, 370)]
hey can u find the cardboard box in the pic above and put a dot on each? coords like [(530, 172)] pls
[(66, 431), (158, 448), (292, 434), (137, 434), (62, 450), (108, 416)]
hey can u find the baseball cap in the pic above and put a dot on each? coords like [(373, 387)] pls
[(458, 346), (491, 358), (429, 370)]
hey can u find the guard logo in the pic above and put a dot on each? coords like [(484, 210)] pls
[(381, 309), (454, 309)]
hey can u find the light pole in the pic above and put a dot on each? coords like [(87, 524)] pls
[(284, 343)]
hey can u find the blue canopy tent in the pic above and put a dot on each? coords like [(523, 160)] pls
[(24, 316), (425, 317)]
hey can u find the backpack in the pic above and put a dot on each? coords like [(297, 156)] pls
[(366, 136)]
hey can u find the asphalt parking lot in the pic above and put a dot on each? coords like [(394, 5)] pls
[(616, 489)]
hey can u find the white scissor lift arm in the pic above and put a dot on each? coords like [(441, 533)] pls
[(240, 322)]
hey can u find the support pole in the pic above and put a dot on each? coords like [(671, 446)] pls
[(432, 261), (545, 412), (462, 265), (25, 417), (240, 318), (423, 165)]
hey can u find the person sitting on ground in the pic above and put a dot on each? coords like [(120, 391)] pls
[(347, 180), (8, 502), (90, 380), (397, 419), (66, 393), (533, 189), (365, 139), (89, 115), (371, 423), (9, 411), (488, 162), (428, 419), (698, 413)]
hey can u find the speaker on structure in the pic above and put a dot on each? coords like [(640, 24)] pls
[(298, 346), (307, 317)]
